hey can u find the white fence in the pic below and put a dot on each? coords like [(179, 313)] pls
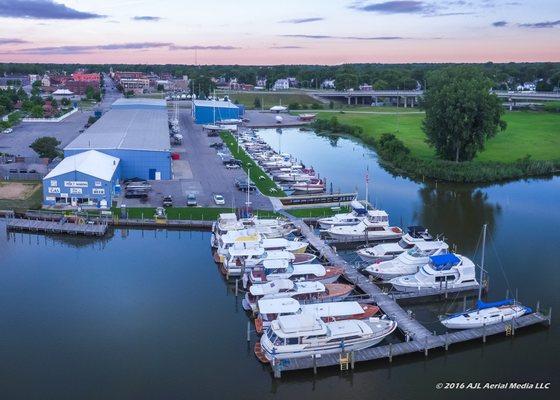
[(50, 119)]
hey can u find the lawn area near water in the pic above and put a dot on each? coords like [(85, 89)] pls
[(187, 213), (528, 133), (272, 99)]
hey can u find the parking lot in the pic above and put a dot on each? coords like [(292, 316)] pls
[(200, 171)]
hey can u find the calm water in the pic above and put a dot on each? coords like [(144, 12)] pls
[(146, 314)]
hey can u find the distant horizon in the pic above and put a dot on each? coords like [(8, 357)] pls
[(256, 33)]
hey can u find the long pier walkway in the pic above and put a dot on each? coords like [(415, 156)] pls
[(418, 338), (31, 225)]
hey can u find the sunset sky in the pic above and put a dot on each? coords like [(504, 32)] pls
[(279, 32)]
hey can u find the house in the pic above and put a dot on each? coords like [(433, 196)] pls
[(281, 84), (261, 82), (328, 84), (365, 87), (46, 80)]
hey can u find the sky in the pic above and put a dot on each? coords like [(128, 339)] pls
[(265, 32)]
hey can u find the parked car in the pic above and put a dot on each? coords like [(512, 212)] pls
[(167, 201), (232, 166), (135, 194), (242, 185), (219, 199), (8, 130), (217, 145), (232, 161), (191, 200)]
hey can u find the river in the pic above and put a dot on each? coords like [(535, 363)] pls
[(146, 314)]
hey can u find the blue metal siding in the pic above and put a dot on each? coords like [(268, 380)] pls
[(57, 183), (137, 163), (209, 115)]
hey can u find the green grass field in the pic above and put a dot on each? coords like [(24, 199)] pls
[(317, 212), (265, 185), (272, 99), (32, 201), (528, 133), (187, 213)]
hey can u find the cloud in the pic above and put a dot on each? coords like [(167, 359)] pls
[(285, 47), (499, 24), (301, 20), (91, 49), (347, 37), (146, 18), (42, 9), (449, 14), (198, 47), (395, 7), (12, 41), (544, 24)]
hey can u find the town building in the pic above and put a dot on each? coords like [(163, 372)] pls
[(281, 84), (365, 87), (212, 111), (328, 84), (87, 179), (135, 85), (137, 132)]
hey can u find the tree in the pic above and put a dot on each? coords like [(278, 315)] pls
[(65, 101), (461, 113), (36, 88), (160, 87), (46, 147), (90, 92), (257, 103), (37, 111)]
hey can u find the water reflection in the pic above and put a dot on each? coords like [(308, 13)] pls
[(457, 211)]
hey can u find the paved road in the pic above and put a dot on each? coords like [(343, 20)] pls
[(17, 142)]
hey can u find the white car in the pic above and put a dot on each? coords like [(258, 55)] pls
[(219, 200), (8, 130)]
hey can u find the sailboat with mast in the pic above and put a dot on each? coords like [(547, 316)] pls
[(485, 313)]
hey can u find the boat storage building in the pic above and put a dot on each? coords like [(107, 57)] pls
[(136, 131), (88, 178), (212, 111)]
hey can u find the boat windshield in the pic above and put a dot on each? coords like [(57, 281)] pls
[(403, 244), (273, 338), (415, 252)]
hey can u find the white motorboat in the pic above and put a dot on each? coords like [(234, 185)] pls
[(485, 314), (374, 227), (303, 335), (314, 185), (388, 251), (293, 177), (409, 262), (271, 270), (284, 288), (444, 271), (240, 259), (354, 217), (271, 309), (267, 228)]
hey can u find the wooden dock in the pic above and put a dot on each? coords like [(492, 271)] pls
[(71, 228), (417, 337)]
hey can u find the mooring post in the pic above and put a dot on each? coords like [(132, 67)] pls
[(446, 340), (236, 286), (446, 288), (507, 293), (314, 364), (248, 331), (550, 316), (407, 337), (464, 303), (277, 372), (537, 308), (426, 346), (513, 327), (516, 294), (352, 360), (390, 352), (484, 332)]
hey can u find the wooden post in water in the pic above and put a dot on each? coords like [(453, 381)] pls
[(352, 354), (248, 331), (236, 286), (426, 346), (464, 303), (537, 308), (390, 352), (484, 332), (446, 340), (507, 293), (314, 364), (513, 327), (550, 316)]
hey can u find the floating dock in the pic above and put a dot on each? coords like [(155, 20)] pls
[(70, 228), (417, 337)]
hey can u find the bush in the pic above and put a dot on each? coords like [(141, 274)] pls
[(294, 106)]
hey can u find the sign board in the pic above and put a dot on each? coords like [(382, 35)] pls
[(54, 190), (98, 191), (54, 183), (75, 190), (50, 198), (81, 184)]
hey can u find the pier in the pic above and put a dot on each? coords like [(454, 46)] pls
[(62, 226), (417, 337)]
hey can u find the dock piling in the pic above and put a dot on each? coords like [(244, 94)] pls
[(426, 346), (248, 331), (236, 286), (538, 306), (446, 340), (550, 316), (484, 332), (352, 360), (314, 364), (390, 352), (464, 303)]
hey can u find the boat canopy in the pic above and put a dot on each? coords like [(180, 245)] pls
[(425, 246), (444, 261), (276, 263), (337, 309), (301, 324), (271, 287), (481, 305), (358, 207), (278, 306)]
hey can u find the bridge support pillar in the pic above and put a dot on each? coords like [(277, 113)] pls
[(405, 102), (348, 100)]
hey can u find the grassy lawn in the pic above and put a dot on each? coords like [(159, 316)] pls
[(32, 198), (272, 99), (533, 133), (187, 213), (265, 185)]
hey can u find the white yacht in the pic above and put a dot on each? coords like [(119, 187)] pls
[(375, 226), (303, 335), (283, 269), (485, 314), (388, 251), (407, 263), (271, 309), (446, 270), (246, 258), (358, 213), (284, 288)]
